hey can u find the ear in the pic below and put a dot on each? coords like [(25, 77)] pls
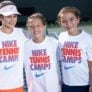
[(78, 20), (45, 27), (1, 17)]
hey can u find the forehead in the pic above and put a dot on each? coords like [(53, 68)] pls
[(67, 15), (34, 21), (10, 16)]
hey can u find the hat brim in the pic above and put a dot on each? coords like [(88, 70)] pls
[(9, 10), (10, 13)]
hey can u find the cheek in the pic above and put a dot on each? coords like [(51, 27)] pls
[(15, 19), (5, 22), (42, 28), (63, 24), (77, 21)]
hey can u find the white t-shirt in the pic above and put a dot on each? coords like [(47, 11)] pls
[(75, 51), (11, 59), (41, 66)]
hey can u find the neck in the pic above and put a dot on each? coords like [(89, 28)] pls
[(74, 33), (37, 40), (6, 30)]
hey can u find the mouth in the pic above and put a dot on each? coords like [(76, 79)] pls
[(36, 32)]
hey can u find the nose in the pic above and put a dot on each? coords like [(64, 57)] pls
[(68, 23), (35, 27)]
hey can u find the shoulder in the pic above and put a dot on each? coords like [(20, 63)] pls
[(20, 32), (18, 29), (28, 41), (28, 44), (62, 34), (87, 38), (52, 42), (52, 39), (87, 35)]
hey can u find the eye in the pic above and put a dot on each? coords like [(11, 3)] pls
[(63, 21), (38, 26), (15, 16), (71, 19), (31, 27)]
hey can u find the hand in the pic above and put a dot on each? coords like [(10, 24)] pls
[(90, 88)]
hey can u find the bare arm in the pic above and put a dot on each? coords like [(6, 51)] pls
[(90, 75)]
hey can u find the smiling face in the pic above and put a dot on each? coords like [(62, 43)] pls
[(69, 18), (9, 21), (8, 13), (69, 21), (37, 28)]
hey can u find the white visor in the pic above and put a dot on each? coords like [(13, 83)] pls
[(9, 10)]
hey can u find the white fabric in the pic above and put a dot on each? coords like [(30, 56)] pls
[(11, 59), (75, 51), (9, 10), (42, 76)]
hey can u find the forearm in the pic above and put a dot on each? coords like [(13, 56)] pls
[(90, 72)]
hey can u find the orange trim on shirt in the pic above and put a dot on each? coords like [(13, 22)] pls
[(20, 89)]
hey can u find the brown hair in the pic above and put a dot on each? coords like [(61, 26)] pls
[(39, 16), (73, 10)]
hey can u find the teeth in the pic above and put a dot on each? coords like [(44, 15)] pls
[(36, 32)]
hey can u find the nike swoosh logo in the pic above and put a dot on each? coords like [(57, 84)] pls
[(8, 67), (69, 67), (38, 75)]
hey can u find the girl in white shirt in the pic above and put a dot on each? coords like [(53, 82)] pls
[(11, 49), (76, 52), (40, 57)]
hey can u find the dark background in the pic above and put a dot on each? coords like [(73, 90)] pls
[(50, 8)]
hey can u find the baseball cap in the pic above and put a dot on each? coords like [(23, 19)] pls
[(9, 10)]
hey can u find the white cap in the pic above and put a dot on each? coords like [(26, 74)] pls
[(9, 10)]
